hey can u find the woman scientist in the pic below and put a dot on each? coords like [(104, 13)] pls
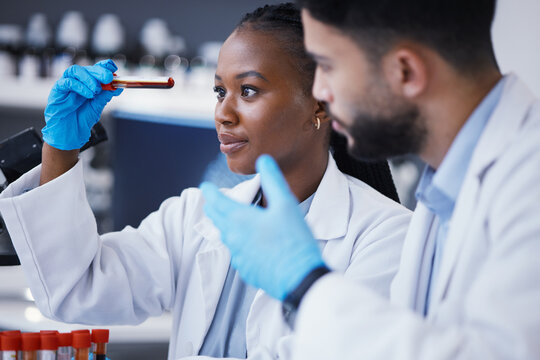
[(175, 260)]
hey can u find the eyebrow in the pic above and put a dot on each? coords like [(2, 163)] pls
[(245, 75)]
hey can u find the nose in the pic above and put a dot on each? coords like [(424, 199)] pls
[(321, 90), (225, 112)]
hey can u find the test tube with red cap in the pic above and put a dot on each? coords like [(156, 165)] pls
[(65, 351), (100, 339), (10, 344), (81, 344), (49, 345), (30, 344)]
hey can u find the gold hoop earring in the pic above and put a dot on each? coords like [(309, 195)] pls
[(318, 124)]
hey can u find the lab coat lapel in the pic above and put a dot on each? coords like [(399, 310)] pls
[(211, 267), (328, 215), (508, 117), (410, 284), (212, 262)]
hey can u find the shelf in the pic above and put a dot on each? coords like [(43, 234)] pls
[(177, 104)]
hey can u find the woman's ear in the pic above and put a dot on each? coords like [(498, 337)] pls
[(321, 113)]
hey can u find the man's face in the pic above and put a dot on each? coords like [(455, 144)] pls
[(377, 123)]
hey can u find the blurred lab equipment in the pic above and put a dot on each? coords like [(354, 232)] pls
[(72, 31), (38, 32), (155, 37), (209, 52), (29, 67), (7, 64), (11, 36), (108, 36), (10, 41)]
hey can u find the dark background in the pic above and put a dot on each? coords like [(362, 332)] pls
[(196, 21)]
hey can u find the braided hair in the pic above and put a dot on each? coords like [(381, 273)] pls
[(283, 21)]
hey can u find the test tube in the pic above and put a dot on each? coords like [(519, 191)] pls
[(30, 343), (100, 338), (81, 344), (49, 345), (10, 344), (64, 346), (136, 82)]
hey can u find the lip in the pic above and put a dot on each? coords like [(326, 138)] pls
[(231, 143)]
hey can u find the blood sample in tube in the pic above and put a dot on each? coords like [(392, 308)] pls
[(49, 345), (100, 338), (136, 82), (64, 346), (30, 345), (81, 343)]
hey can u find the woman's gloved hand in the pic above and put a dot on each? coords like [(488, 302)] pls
[(273, 248), (75, 104)]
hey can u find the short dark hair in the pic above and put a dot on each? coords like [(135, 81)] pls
[(459, 30)]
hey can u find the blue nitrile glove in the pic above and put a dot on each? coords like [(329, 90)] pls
[(273, 248), (75, 104)]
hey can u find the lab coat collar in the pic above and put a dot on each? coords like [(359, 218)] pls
[(503, 125), (244, 193), (328, 215)]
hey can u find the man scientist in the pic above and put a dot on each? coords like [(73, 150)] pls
[(404, 76)]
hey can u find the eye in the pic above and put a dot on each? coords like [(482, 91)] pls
[(220, 92), (324, 67), (248, 91)]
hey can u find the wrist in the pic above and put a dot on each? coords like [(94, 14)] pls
[(292, 301), (55, 162)]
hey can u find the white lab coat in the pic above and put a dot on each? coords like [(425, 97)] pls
[(486, 299), (175, 260)]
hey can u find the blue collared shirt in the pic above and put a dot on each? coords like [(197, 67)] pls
[(438, 189)]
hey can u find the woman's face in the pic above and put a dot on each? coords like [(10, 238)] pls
[(261, 108)]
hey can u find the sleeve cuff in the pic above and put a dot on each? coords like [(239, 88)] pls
[(292, 301)]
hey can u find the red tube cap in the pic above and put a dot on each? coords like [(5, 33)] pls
[(49, 341), (10, 342), (30, 341), (100, 336), (11, 332), (65, 339), (81, 340)]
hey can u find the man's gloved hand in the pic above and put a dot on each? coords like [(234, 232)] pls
[(75, 104), (273, 248)]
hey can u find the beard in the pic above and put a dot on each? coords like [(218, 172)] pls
[(392, 128)]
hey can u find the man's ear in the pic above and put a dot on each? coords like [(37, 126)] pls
[(406, 71)]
